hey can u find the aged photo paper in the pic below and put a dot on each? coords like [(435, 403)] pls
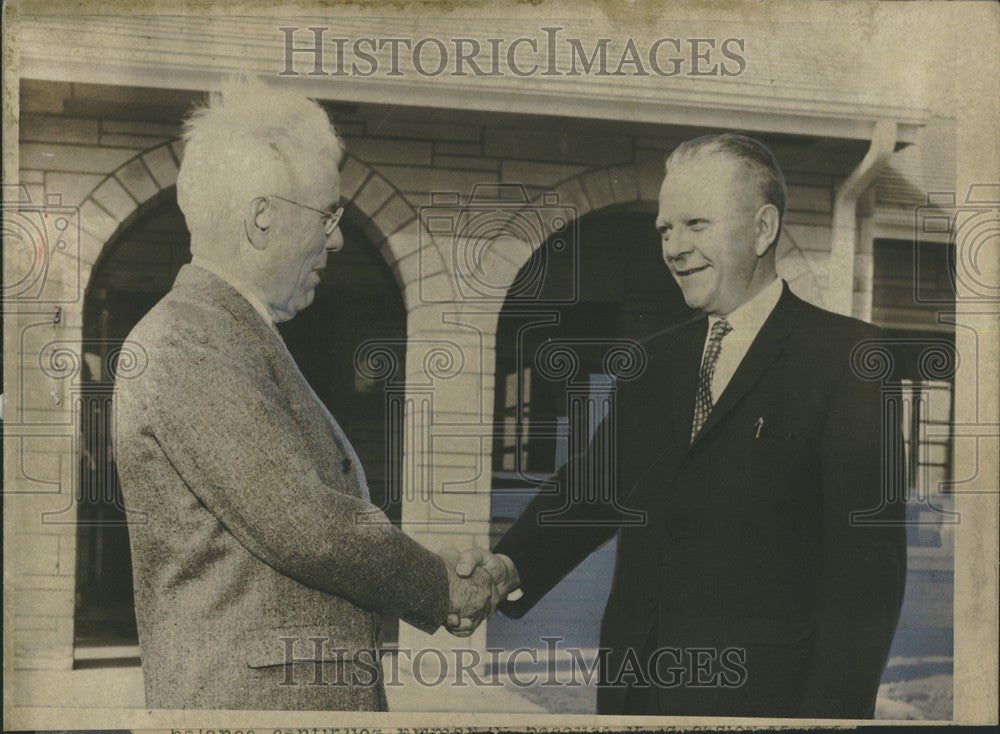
[(446, 365)]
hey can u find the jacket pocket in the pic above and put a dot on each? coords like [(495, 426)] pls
[(778, 443)]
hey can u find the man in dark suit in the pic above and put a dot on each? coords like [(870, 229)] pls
[(767, 576)]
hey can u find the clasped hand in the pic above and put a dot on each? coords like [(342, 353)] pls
[(477, 581)]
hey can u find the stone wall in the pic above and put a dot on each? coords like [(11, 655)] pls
[(102, 173)]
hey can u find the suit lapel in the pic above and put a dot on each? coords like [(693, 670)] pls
[(302, 399), (762, 353)]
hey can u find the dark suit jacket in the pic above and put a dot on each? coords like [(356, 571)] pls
[(748, 542), (250, 525)]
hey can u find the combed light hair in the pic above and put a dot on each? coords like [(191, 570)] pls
[(759, 161), (250, 139)]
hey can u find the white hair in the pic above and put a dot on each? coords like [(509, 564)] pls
[(249, 140)]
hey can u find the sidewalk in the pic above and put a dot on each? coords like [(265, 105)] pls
[(121, 687), (926, 695)]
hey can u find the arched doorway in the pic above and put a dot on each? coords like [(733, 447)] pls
[(358, 299), (616, 288)]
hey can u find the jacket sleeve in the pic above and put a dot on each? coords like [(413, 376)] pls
[(563, 524), (223, 427), (863, 550)]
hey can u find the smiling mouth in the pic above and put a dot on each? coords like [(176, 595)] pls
[(682, 273)]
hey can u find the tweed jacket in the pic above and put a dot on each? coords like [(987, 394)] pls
[(253, 541)]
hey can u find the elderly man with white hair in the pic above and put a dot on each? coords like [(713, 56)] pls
[(261, 567)]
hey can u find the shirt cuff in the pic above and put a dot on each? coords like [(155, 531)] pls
[(512, 574)]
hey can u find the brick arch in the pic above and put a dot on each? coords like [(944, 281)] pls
[(386, 217), (123, 196), (586, 192), (394, 226)]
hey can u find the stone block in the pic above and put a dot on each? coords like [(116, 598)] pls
[(73, 158), (97, 221), (382, 150), (536, 173), (375, 192), (34, 554), (57, 129), (395, 214), (73, 188), (598, 187), (136, 179), (557, 145), (162, 166), (113, 197), (466, 163)]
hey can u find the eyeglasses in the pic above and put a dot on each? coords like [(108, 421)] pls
[(330, 219)]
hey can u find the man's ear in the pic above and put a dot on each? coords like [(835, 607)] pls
[(257, 222), (767, 222)]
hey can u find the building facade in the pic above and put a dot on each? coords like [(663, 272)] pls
[(482, 223)]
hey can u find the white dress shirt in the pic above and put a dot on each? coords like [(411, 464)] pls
[(746, 321)]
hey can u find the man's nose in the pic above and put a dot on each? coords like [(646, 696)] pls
[(335, 241), (675, 246)]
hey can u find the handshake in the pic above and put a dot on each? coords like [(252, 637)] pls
[(477, 581)]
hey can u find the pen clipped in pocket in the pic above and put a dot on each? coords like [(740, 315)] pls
[(764, 431)]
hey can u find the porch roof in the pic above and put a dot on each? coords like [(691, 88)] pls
[(799, 78)]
